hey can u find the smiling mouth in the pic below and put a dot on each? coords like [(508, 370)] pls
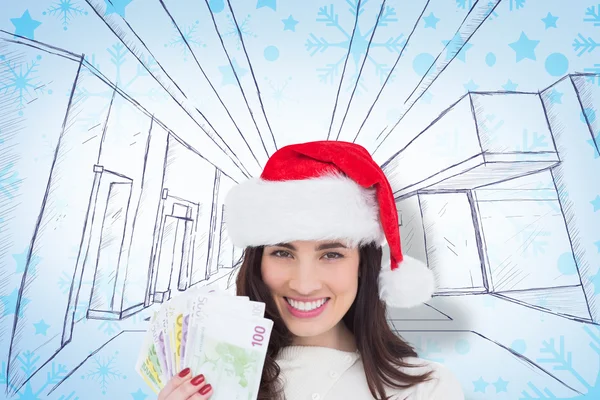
[(307, 306)]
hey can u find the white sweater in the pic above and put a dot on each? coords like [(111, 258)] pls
[(320, 373)]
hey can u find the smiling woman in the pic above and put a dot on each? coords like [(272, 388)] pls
[(313, 227)]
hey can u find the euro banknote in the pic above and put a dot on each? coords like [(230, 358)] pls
[(212, 332)]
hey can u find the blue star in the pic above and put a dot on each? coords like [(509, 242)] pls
[(21, 261), (597, 142), (480, 385), (431, 21), (550, 21), (267, 3), (510, 86), (524, 47), (500, 385), (139, 395), (471, 86), (116, 6), (25, 25), (555, 96), (41, 328), (289, 24), (10, 303), (597, 244), (227, 72), (454, 44), (595, 280), (596, 203)]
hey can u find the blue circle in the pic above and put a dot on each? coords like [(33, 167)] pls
[(271, 53), (519, 346), (557, 64), (422, 62), (216, 6), (462, 346), (490, 59), (590, 113), (566, 264)]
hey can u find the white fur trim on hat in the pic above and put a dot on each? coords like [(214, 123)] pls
[(260, 212), (409, 285)]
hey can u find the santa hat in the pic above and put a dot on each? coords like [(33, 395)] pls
[(328, 190)]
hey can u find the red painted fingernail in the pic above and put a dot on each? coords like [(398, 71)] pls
[(184, 372), (198, 380), (205, 389)]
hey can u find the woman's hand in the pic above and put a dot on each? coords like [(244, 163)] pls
[(186, 387)]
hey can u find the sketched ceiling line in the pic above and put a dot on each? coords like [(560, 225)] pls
[(121, 34), (337, 96), (391, 72), (377, 21), (262, 106), (186, 43), (468, 27)]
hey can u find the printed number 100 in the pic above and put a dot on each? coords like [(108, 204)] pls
[(258, 337)]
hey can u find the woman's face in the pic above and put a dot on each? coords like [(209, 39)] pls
[(313, 283)]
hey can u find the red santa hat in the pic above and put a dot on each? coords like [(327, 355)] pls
[(328, 190)]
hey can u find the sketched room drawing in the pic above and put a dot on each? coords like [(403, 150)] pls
[(115, 161)]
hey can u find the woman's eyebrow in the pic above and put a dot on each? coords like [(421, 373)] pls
[(326, 246), (286, 245)]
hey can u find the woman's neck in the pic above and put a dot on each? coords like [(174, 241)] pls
[(339, 338)]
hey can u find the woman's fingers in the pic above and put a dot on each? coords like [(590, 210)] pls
[(204, 393), (174, 383), (195, 386)]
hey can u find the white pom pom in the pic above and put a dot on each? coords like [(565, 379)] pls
[(409, 285)]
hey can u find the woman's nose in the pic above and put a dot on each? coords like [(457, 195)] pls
[(305, 279)]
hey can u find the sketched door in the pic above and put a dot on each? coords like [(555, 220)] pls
[(451, 242), (174, 256)]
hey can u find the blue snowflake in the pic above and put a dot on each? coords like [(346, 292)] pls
[(591, 15), (66, 10), (531, 144), (9, 181), (27, 363), (581, 44), (593, 79), (119, 56), (244, 27), (360, 43), (278, 90), (22, 77), (561, 360), (489, 128), (104, 371), (464, 4), (428, 349), (516, 4), (190, 36), (109, 327)]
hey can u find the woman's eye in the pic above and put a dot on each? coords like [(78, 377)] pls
[(333, 256), (281, 253)]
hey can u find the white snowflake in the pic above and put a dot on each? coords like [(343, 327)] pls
[(66, 10), (360, 44), (190, 36)]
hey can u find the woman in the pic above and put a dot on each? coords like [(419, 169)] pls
[(313, 227)]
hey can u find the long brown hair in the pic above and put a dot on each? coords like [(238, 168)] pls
[(382, 352)]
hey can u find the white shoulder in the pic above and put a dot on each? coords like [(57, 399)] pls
[(442, 384)]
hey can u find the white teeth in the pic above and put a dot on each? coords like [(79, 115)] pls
[(306, 306)]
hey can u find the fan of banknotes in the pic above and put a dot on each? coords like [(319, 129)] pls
[(212, 332)]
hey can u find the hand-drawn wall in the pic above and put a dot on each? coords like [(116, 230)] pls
[(123, 123)]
